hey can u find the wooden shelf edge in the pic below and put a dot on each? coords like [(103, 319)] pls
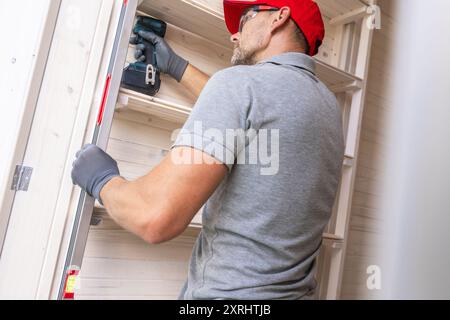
[(206, 9), (337, 81), (333, 241), (349, 162), (333, 237), (195, 226), (135, 101), (354, 15), (101, 214), (339, 8)]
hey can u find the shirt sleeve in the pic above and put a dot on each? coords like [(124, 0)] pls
[(218, 120)]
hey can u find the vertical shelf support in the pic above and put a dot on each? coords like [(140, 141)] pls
[(337, 258)]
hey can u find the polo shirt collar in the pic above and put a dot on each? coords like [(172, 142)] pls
[(295, 59)]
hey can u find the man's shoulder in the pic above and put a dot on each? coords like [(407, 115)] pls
[(232, 80), (236, 74)]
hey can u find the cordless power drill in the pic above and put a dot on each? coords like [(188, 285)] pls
[(144, 77)]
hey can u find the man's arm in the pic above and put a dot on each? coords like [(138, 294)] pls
[(159, 206), (172, 64), (194, 80)]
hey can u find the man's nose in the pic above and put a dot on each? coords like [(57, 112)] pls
[(235, 37)]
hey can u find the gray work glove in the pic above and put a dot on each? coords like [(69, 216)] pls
[(93, 169), (168, 61)]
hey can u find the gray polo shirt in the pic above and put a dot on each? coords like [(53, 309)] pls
[(279, 131)]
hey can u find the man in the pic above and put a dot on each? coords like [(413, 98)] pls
[(262, 229)]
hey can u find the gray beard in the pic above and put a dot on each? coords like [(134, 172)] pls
[(240, 57)]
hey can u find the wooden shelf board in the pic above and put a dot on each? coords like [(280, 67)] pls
[(160, 108), (101, 214), (335, 8), (332, 241), (334, 78), (201, 17), (349, 156), (333, 237)]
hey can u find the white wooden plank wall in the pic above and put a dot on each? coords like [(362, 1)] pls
[(118, 265), (364, 232)]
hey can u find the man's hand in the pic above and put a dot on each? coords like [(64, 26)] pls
[(93, 169), (168, 61)]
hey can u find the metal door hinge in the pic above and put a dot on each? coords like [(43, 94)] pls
[(21, 179)]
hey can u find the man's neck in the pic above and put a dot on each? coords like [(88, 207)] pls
[(268, 53)]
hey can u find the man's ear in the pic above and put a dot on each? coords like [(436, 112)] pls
[(280, 18)]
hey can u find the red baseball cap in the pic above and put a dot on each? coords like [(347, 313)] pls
[(306, 13)]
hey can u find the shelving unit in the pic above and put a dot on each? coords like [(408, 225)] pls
[(143, 126), (93, 36)]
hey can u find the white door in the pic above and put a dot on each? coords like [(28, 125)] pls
[(22, 61), (67, 109)]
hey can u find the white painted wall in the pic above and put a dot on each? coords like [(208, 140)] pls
[(417, 198), (400, 214)]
